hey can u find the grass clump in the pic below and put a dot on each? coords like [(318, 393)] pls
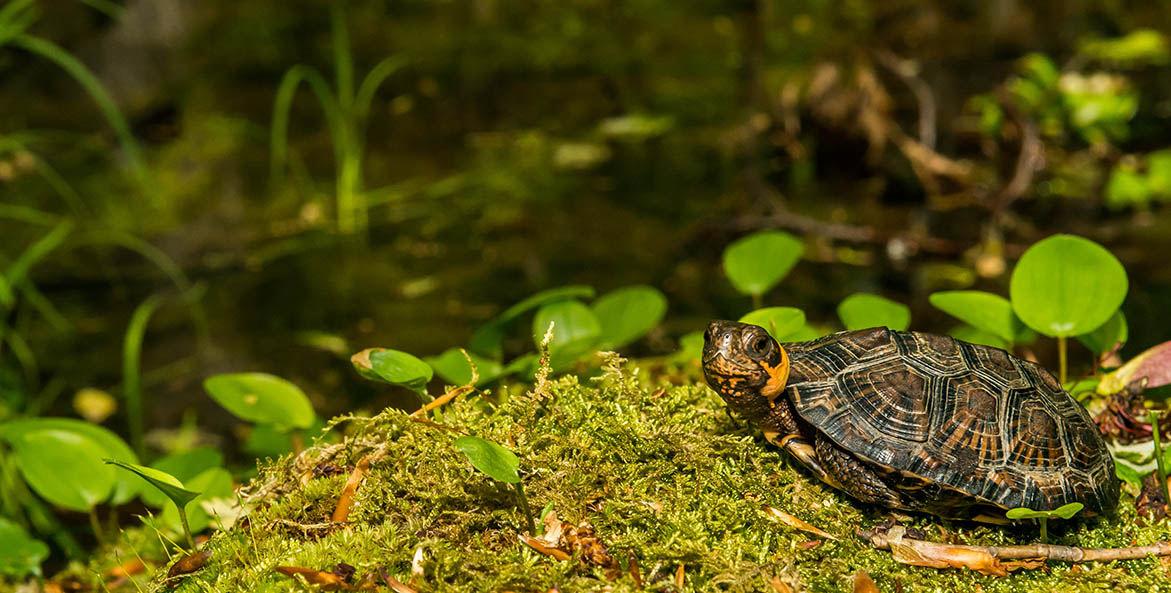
[(664, 475)]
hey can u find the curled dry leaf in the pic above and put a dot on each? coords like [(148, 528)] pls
[(1153, 363), (395, 585), (342, 512), (679, 576), (543, 547), (635, 573), (328, 581), (863, 583), (794, 522), (1150, 503), (417, 565), (187, 565)]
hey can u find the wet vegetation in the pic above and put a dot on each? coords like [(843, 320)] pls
[(301, 294)]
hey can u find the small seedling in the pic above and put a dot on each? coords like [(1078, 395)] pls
[(1062, 512), (394, 367), (168, 485), (500, 464), (1160, 465)]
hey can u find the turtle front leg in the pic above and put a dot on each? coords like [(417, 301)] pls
[(803, 452), (855, 477)]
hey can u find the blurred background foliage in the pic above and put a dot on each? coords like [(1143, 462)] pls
[(176, 204)]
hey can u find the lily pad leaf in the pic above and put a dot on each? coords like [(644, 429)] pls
[(64, 467), (782, 323), (488, 457), (260, 397), (862, 311), (627, 314), (20, 555), (756, 263), (169, 485), (1066, 286), (985, 311)]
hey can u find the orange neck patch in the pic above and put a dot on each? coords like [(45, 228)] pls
[(778, 376)]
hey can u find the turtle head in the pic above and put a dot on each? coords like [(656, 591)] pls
[(745, 365)]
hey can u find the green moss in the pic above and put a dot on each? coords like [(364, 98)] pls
[(664, 475)]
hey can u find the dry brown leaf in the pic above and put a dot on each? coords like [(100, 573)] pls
[(863, 583), (679, 576), (126, 569), (794, 522), (779, 586), (326, 580), (397, 585), (346, 500), (543, 547), (417, 565), (186, 565)]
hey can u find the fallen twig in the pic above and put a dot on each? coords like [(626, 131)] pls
[(991, 559), (454, 393)]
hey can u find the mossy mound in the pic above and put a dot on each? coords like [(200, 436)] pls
[(663, 475)]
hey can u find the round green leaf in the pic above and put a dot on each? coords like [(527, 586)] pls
[(400, 368), (20, 555), (260, 397), (782, 323), (974, 335), (690, 347), (453, 367), (183, 465), (488, 338), (756, 263), (496, 461), (170, 486), (575, 331), (990, 313), (126, 487), (1068, 511), (1024, 513), (1066, 286), (64, 467), (628, 313), (862, 311), (1108, 335)]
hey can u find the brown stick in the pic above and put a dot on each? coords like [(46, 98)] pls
[(1046, 552), (450, 395)]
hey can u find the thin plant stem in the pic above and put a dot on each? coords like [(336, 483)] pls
[(298, 442), (186, 527), (1160, 468), (1044, 530), (1061, 358), (524, 503), (756, 301), (96, 524)]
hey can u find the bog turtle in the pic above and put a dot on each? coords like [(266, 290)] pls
[(915, 421)]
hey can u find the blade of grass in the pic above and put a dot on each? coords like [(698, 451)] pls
[(18, 270), (282, 105), (97, 92), (131, 378)]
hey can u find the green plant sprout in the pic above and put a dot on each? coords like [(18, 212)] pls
[(1062, 512), (500, 464), (756, 263), (345, 114), (168, 485), (263, 398)]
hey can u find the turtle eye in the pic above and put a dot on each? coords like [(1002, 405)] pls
[(760, 345)]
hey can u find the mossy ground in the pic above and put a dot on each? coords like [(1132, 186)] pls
[(663, 474)]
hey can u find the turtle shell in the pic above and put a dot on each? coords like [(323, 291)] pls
[(953, 417)]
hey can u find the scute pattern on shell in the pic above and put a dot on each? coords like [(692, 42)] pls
[(961, 417)]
